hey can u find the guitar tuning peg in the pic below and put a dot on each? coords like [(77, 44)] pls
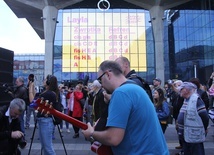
[(46, 104), (42, 111), (46, 115), (51, 105)]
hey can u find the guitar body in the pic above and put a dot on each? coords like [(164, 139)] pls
[(45, 107), (100, 149)]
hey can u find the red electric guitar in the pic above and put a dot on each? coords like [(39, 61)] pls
[(47, 108)]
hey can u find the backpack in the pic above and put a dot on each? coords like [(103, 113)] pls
[(143, 84)]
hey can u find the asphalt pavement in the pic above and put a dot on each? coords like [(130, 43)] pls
[(66, 144)]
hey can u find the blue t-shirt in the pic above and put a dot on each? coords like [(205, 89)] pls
[(131, 109)]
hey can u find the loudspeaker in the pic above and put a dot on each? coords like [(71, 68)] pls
[(6, 74)]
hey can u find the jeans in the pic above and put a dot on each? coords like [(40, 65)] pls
[(28, 115), (46, 128), (66, 123)]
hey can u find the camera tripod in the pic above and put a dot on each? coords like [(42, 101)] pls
[(32, 138)]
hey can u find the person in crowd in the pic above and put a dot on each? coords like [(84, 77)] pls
[(45, 121), (192, 120), (157, 84), (177, 102), (22, 93), (210, 81), (168, 90), (99, 105), (11, 135), (132, 75), (65, 109), (211, 95), (31, 94), (74, 107), (88, 107), (84, 89), (201, 92), (70, 91), (162, 108), (128, 119)]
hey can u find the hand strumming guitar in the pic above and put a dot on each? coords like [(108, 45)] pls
[(88, 132)]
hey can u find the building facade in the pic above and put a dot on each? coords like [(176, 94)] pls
[(85, 36), (25, 64), (188, 43)]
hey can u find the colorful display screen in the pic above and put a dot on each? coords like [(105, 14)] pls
[(90, 38)]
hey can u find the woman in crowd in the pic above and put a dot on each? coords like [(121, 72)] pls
[(162, 108), (46, 125), (63, 100), (211, 95), (74, 107)]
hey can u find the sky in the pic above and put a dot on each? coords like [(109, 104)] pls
[(16, 34)]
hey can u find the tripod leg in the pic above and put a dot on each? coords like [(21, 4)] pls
[(62, 139), (32, 137)]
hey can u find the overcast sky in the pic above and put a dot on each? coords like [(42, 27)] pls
[(16, 34)]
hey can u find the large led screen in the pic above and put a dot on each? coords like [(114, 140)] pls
[(90, 38)]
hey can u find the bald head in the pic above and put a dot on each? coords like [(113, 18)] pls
[(124, 64)]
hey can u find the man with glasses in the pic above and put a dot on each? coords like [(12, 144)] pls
[(10, 132), (130, 116)]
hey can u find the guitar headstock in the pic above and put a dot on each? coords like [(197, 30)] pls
[(43, 106)]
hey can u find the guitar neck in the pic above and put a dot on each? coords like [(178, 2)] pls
[(70, 119)]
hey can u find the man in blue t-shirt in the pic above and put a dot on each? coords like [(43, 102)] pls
[(132, 124)]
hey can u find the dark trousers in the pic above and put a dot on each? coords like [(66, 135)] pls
[(163, 127), (76, 129), (193, 148)]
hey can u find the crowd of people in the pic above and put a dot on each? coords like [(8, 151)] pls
[(118, 109)]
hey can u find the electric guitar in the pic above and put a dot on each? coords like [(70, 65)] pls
[(46, 108)]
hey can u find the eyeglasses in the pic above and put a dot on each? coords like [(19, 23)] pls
[(99, 79)]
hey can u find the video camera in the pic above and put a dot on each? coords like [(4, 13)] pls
[(8, 88), (22, 142)]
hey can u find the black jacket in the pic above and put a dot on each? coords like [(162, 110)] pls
[(22, 93), (99, 104), (204, 97), (8, 144)]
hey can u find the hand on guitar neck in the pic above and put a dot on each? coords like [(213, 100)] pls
[(46, 108)]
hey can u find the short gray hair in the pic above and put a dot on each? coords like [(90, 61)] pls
[(18, 103), (21, 79), (96, 83), (187, 85)]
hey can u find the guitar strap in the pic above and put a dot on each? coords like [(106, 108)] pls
[(129, 82)]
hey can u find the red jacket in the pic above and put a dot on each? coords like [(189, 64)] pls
[(77, 109)]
